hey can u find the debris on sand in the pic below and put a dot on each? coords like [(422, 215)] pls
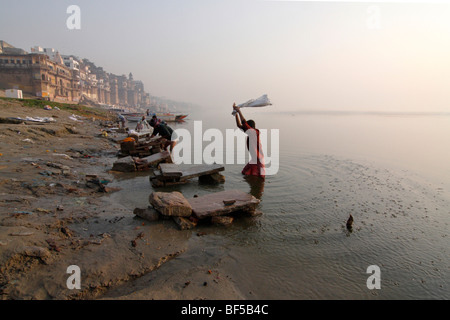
[(349, 222), (139, 236)]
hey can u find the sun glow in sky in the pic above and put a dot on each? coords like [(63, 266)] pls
[(306, 55)]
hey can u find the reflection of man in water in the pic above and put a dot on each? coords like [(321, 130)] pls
[(256, 166), (256, 186)]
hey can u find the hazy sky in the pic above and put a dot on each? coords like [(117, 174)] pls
[(361, 56)]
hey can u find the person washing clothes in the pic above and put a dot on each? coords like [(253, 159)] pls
[(256, 166), (142, 124), (166, 132)]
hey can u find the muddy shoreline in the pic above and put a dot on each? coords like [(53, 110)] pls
[(53, 216)]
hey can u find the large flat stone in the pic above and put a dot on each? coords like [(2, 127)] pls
[(170, 170), (157, 158), (222, 203), (184, 172), (153, 160), (171, 204), (125, 164)]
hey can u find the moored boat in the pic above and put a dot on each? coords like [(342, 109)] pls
[(167, 117), (180, 117), (170, 117), (133, 116)]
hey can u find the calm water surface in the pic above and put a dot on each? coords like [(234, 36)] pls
[(390, 171)]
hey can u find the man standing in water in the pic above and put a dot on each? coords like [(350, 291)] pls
[(256, 166)]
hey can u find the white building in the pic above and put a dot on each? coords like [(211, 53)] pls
[(14, 93), (50, 52), (71, 63)]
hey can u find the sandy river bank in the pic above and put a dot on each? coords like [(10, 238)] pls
[(51, 217)]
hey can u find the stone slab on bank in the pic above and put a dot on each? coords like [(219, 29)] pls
[(153, 160), (170, 204), (223, 203), (171, 174), (189, 171), (125, 164), (130, 164)]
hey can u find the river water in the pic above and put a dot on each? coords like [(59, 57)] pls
[(390, 171)]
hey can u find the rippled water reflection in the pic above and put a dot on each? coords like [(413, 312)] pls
[(392, 178)]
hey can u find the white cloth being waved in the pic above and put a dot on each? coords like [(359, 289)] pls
[(262, 101)]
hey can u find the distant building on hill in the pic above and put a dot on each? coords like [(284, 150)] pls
[(37, 75), (6, 48), (46, 73)]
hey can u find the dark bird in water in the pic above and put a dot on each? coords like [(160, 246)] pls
[(350, 222)]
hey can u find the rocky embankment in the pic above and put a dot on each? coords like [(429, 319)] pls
[(55, 212)]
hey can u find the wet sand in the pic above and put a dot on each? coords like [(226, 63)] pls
[(51, 218)]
